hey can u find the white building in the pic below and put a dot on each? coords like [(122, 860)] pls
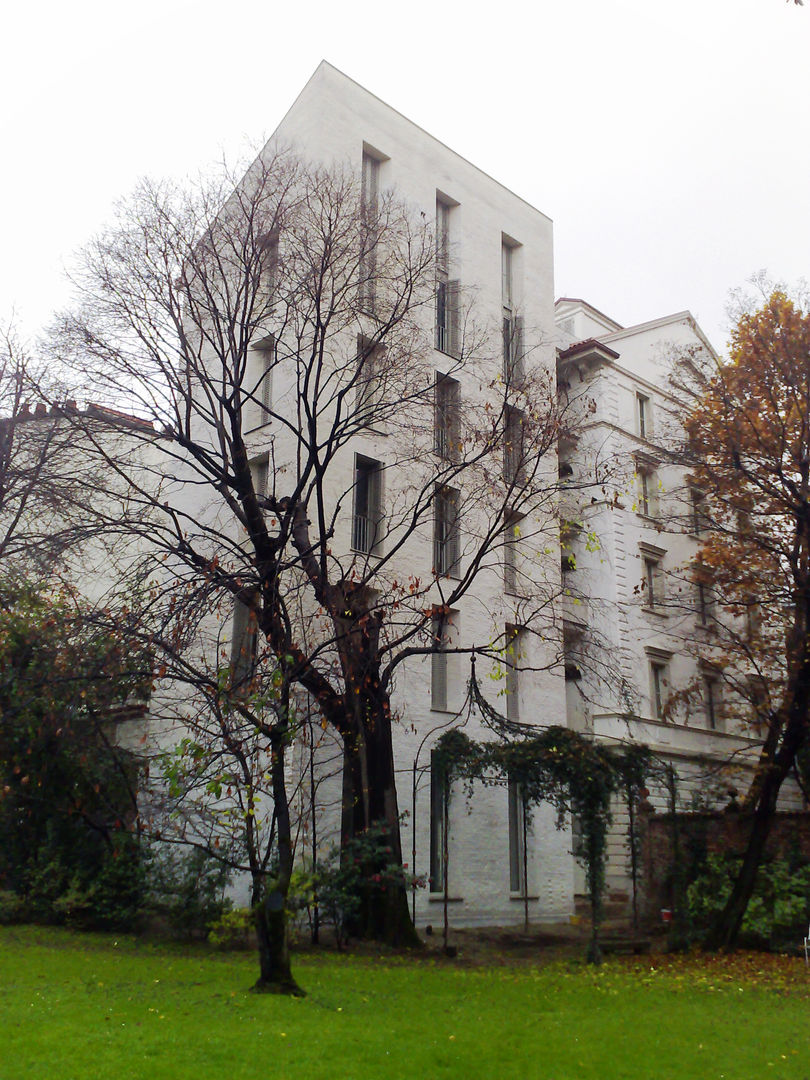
[(593, 630), (639, 628), (493, 288)]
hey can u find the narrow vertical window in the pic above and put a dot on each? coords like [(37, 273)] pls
[(697, 512), (651, 583), (513, 445), (512, 660), (517, 883), (511, 536), (446, 546), (447, 288), (369, 376), (710, 700), (512, 324), (658, 684), (438, 665), (244, 643), (643, 416), (369, 214), (268, 244), (367, 504), (447, 417), (260, 474), (438, 823)]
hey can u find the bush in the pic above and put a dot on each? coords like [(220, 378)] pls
[(779, 907), (233, 929), (188, 888), (12, 908), (350, 876)]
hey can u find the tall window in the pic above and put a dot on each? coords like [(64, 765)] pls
[(438, 664), (268, 244), (447, 289), (447, 417), (697, 514), (367, 504), (659, 681), (711, 702), (652, 585), (512, 324), (260, 474), (369, 379), (512, 659), (647, 491), (511, 537), (643, 416), (244, 643), (517, 848), (369, 211), (266, 354), (438, 823), (446, 546), (513, 445)]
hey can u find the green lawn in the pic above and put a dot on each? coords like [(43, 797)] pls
[(77, 1006)]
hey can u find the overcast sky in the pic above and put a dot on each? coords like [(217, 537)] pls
[(668, 141)]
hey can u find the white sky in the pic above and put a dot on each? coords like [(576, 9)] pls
[(668, 141)]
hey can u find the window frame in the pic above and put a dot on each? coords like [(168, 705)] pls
[(643, 415), (446, 416), (365, 539), (446, 532)]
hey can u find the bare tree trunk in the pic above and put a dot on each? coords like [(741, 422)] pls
[(272, 929), (370, 798)]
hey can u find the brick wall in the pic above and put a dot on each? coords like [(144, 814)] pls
[(685, 840)]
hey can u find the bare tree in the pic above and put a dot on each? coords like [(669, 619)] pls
[(313, 466)]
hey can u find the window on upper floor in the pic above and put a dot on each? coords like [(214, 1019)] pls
[(643, 416), (512, 323), (369, 230), (514, 454), (659, 688), (705, 607), (447, 317), (268, 245), (244, 643), (698, 519), (648, 487), (711, 702), (369, 379), (440, 636), (266, 357), (260, 474), (513, 656), (448, 293), (367, 514), (447, 417), (446, 534), (511, 540), (652, 585)]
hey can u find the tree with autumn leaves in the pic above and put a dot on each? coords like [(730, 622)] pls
[(748, 455)]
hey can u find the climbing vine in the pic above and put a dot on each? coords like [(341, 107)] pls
[(568, 770)]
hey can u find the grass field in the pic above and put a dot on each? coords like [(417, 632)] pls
[(77, 1006)]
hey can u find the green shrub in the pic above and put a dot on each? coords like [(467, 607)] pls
[(778, 909), (233, 929), (188, 888), (353, 874), (12, 908)]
